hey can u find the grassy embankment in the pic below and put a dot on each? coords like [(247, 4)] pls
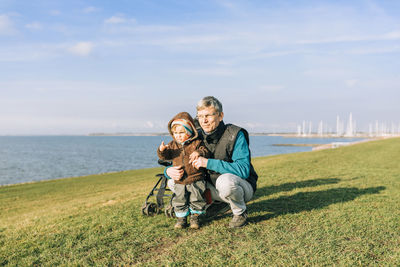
[(331, 207)]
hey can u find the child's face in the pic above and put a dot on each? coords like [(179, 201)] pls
[(180, 134)]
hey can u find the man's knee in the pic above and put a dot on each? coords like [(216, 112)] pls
[(227, 185)]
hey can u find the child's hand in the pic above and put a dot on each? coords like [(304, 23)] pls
[(193, 156), (162, 147)]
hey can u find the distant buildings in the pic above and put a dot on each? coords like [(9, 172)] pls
[(377, 129)]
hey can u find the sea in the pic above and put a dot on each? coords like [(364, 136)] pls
[(36, 158)]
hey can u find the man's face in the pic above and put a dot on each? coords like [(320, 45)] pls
[(209, 119)]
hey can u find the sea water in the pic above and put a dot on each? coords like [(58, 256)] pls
[(36, 158)]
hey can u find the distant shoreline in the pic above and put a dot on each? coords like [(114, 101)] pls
[(289, 135), (128, 134), (358, 135)]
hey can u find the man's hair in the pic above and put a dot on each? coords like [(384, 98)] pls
[(210, 101)]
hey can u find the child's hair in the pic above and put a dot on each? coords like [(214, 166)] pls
[(174, 126), (185, 124)]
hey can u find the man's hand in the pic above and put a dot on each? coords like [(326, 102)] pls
[(200, 162), (162, 147), (175, 172), (195, 155)]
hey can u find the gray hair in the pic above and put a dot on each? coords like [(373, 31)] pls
[(209, 101)]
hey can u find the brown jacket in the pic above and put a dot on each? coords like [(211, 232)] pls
[(179, 154)]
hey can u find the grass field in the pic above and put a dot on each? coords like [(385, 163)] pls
[(332, 207)]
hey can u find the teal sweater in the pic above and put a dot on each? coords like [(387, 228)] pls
[(241, 160)]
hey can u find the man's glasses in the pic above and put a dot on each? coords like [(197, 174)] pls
[(207, 116)]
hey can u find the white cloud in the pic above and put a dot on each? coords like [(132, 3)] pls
[(326, 73), (133, 28), (392, 35), (271, 88), (115, 20), (58, 87), (209, 71), (118, 19), (55, 12), (6, 25), (253, 125), (374, 50), (32, 51), (82, 48), (196, 39), (226, 4), (156, 28), (57, 124), (351, 83), (34, 26), (233, 7), (260, 55), (90, 9), (149, 124)]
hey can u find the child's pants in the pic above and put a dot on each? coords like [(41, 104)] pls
[(189, 198)]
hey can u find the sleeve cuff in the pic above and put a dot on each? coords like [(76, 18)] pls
[(165, 172)]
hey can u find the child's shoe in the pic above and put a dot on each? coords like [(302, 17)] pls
[(194, 221), (181, 223)]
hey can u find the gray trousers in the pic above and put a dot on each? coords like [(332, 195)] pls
[(188, 198), (229, 188)]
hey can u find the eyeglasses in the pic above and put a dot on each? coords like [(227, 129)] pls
[(207, 116)]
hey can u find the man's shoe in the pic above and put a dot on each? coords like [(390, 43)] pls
[(238, 220), (194, 221), (217, 208), (181, 223)]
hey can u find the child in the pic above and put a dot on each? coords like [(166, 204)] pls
[(182, 150)]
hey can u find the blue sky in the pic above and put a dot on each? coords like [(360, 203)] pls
[(76, 67)]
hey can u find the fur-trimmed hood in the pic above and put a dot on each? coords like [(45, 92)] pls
[(185, 116)]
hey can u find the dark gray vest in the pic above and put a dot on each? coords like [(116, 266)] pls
[(221, 144)]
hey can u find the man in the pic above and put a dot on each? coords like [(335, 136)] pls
[(232, 176)]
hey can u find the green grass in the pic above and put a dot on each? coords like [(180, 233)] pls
[(331, 207)]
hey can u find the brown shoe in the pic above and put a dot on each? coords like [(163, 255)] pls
[(181, 222), (194, 221), (238, 220)]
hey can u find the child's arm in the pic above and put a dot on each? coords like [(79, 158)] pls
[(164, 151), (201, 151), (162, 147)]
